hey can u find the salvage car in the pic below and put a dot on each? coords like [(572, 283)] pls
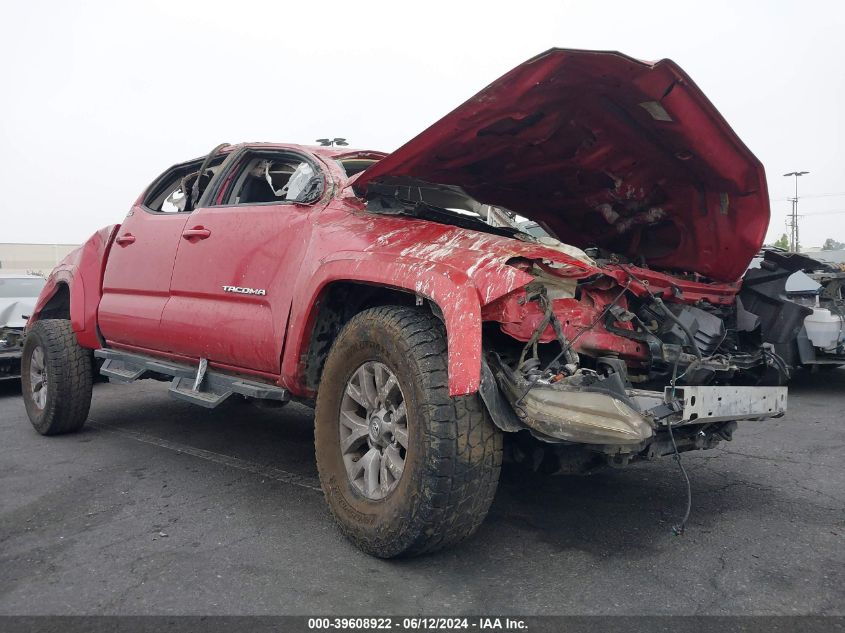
[(374, 287), (816, 289), (18, 293)]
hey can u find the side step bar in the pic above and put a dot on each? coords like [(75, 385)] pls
[(198, 385)]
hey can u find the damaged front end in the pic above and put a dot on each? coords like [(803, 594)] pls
[(608, 363), (11, 347), (640, 343)]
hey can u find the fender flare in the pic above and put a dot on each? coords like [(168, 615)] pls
[(448, 287), (82, 272), (63, 276)]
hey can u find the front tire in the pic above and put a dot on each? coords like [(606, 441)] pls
[(56, 377), (405, 468)]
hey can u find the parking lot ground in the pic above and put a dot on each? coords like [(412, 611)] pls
[(161, 507)]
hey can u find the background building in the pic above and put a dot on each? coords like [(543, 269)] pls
[(32, 258), (833, 257)]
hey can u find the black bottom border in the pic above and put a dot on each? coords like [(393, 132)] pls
[(516, 624)]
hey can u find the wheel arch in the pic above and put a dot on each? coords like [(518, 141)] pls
[(63, 297), (74, 288), (319, 311), (55, 304)]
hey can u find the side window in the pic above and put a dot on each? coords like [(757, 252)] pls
[(173, 192), (355, 165), (274, 178)]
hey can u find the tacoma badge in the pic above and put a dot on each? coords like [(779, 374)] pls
[(245, 291)]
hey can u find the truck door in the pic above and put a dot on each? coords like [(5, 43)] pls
[(238, 259), (137, 276)]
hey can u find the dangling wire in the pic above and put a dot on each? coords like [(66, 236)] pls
[(568, 346), (679, 528)]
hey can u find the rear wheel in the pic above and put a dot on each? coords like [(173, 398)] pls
[(56, 377), (405, 468)]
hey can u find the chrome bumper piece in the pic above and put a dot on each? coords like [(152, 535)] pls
[(725, 404)]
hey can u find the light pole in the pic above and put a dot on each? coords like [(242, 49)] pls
[(793, 220), (331, 142)]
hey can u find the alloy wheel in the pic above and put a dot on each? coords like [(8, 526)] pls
[(373, 430), (38, 377)]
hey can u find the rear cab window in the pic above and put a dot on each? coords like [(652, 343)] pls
[(354, 165), (172, 191)]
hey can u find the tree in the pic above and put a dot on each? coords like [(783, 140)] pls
[(783, 242), (831, 244)]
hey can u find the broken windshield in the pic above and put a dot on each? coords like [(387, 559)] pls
[(444, 204)]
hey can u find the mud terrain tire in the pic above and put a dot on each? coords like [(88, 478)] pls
[(53, 361), (454, 451)]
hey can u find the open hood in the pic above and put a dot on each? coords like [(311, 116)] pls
[(602, 150)]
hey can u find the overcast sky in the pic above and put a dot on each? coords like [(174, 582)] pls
[(99, 97)]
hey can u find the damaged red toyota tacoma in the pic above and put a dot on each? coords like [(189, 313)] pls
[(551, 273)]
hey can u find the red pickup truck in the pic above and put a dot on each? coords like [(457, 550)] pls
[(403, 296)]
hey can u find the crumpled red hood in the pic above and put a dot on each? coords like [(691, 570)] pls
[(603, 150)]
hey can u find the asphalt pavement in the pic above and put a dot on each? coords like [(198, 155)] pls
[(161, 507)]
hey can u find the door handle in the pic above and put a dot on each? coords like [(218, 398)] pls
[(125, 239), (198, 233)]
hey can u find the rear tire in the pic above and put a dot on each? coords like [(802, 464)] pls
[(441, 455), (56, 378)]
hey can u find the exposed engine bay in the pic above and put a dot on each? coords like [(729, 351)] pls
[(657, 332), (625, 359)]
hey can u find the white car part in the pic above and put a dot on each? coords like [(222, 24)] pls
[(824, 329)]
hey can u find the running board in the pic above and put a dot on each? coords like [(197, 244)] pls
[(198, 385)]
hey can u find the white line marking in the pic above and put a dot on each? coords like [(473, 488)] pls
[(303, 481)]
